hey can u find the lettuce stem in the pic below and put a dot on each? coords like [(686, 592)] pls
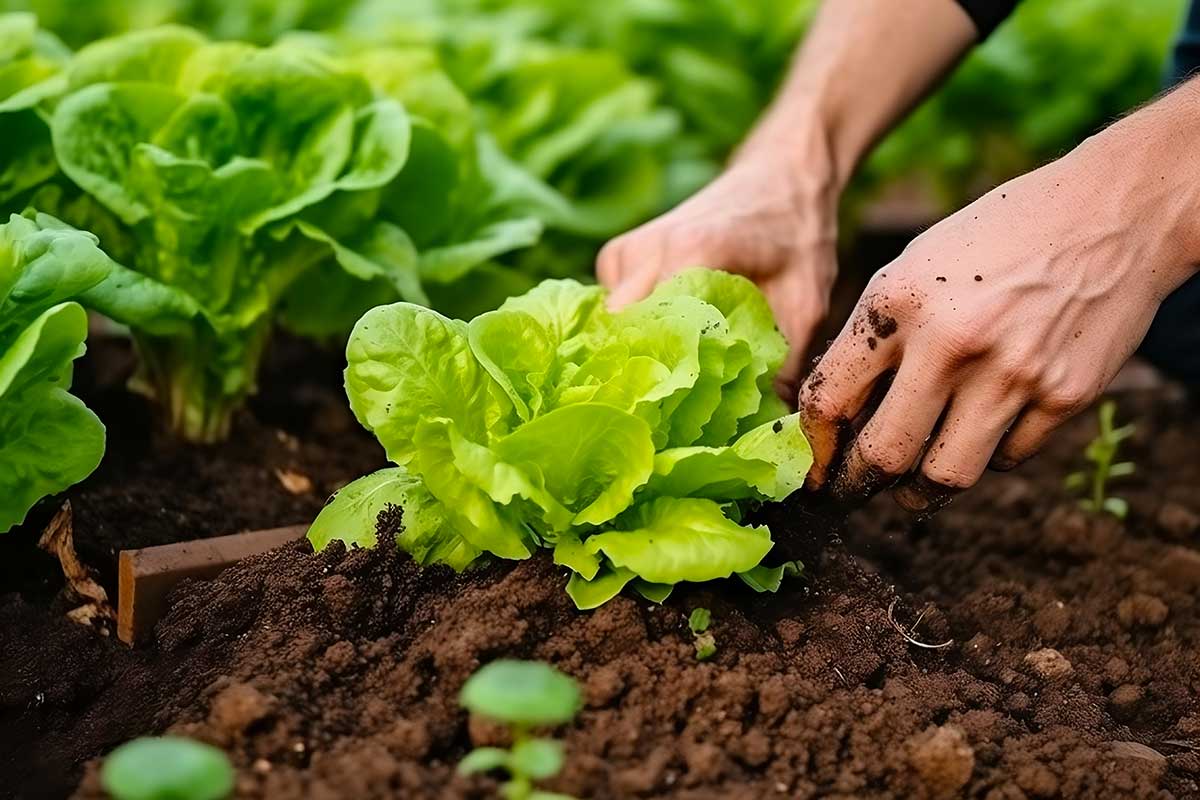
[(199, 381)]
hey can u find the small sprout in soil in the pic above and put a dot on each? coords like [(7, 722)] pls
[(1101, 454), (706, 643), (167, 768), (524, 695)]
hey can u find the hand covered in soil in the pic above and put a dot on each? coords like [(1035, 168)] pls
[(997, 325), (758, 219)]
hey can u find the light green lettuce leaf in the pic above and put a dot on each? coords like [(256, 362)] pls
[(427, 535), (519, 353), (722, 359), (589, 458), (482, 470), (351, 513), (566, 308), (597, 591), (570, 552), (407, 363), (718, 473), (782, 443), (670, 540), (614, 378), (456, 471), (769, 462), (742, 305), (768, 579), (654, 592), (741, 400)]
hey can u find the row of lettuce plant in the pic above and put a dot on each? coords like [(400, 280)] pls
[(231, 187), (310, 180), (235, 187)]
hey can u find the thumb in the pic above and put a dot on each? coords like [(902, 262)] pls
[(799, 312), (799, 333), (632, 288)]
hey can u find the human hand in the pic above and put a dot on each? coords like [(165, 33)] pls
[(758, 219), (994, 327)]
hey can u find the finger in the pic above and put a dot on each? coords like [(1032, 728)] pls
[(839, 387), (608, 263), (894, 437), (800, 309), (1027, 436), (633, 286), (958, 454)]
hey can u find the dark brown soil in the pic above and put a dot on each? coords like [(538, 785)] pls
[(58, 705), (150, 490), (1073, 671)]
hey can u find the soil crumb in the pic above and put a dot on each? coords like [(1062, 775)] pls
[(884, 325)]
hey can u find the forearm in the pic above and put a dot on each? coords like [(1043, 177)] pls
[(863, 65), (1143, 173)]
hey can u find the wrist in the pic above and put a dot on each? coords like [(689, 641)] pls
[(1144, 171), (802, 141), (796, 162)]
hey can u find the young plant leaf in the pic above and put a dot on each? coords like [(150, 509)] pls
[(527, 693), (537, 758), (483, 759), (167, 768)]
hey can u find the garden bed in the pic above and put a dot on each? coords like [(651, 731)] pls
[(335, 675), (1071, 671)]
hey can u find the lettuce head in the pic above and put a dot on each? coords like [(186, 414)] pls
[(624, 442)]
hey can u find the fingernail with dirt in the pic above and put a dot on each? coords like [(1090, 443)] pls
[(923, 497)]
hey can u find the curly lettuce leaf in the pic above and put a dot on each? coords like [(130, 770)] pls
[(406, 364), (352, 513), (668, 540)]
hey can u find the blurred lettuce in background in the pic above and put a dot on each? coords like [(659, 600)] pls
[(298, 162), (1051, 76), (617, 110)]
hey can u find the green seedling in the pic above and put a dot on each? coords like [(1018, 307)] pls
[(167, 768), (525, 695), (706, 643), (1101, 454)]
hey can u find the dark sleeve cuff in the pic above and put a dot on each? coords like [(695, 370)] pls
[(987, 14)]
